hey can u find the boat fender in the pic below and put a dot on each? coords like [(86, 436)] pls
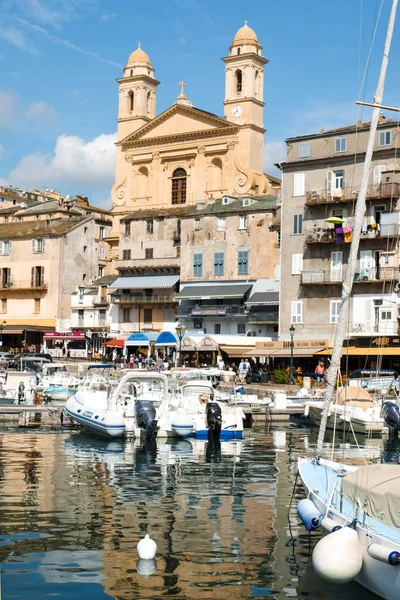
[(329, 525), (309, 514), (390, 557), (147, 548), (337, 557), (306, 410)]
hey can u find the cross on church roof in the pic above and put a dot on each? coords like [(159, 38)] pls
[(182, 84)]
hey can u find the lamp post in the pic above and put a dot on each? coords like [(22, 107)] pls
[(291, 331), (180, 332), (2, 325)]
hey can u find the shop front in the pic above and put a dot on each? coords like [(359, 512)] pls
[(372, 352), (64, 344)]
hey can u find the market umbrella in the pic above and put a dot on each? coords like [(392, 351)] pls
[(334, 220)]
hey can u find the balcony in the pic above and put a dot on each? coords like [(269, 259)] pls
[(263, 318), (141, 263), (212, 310), (102, 301), (142, 299), (22, 285), (325, 235), (372, 275), (349, 194)]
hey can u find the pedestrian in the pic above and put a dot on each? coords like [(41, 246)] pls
[(114, 355), (320, 372), (68, 354), (140, 361), (63, 350), (221, 364), (242, 371), (131, 361)]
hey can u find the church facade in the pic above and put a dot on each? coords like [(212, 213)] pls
[(186, 154)]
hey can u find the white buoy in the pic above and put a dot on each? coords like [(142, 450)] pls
[(147, 548), (338, 556)]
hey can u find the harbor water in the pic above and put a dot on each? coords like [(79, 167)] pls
[(223, 515)]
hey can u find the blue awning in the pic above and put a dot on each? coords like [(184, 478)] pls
[(166, 338), (141, 339)]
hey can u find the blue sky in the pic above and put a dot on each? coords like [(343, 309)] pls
[(59, 60)]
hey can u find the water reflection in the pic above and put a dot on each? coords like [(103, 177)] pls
[(73, 509)]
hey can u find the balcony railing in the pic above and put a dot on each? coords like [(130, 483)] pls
[(371, 275), (103, 300), (170, 261), (348, 194), (328, 235), (212, 310), (262, 318), (142, 299), (23, 285)]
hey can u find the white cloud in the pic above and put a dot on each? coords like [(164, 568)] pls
[(274, 152), (42, 112), (17, 38), (75, 166), (7, 107)]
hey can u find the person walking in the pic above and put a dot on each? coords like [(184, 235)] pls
[(242, 371), (131, 361), (320, 372), (114, 356)]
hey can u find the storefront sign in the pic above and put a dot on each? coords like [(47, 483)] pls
[(197, 312), (64, 335), (296, 344), (380, 341)]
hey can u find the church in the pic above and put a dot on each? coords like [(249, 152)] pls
[(186, 154)]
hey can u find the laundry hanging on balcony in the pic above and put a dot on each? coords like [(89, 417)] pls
[(348, 233)]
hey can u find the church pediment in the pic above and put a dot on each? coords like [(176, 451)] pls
[(180, 121)]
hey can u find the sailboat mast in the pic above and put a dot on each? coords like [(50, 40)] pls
[(358, 222)]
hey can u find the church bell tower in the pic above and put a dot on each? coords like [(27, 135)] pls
[(244, 93)]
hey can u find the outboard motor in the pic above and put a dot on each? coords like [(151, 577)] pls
[(391, 414), (21, 392), (146, 418), (214, 418)]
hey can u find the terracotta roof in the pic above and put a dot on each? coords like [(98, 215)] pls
[(49, 206), (32, 229), (106, 280), (10, 210), (384, 124), (215, 207), (273, 178)]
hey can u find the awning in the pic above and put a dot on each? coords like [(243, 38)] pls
[(156, 282), (141, 339), (236, 351), (113, 344), (264, 299), (352, 351), (207, 292), (166, 338), (282, 352), (20, 329)]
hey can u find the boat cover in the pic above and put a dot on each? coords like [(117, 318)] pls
[(354, 396), (376, 488)]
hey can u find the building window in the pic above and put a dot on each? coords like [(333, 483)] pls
[(217, 328), (37, 277), (218, 263), (298, 224), (127, 228), (102, 233), (148, 316), (84, 249), (243, 222), (102, 252), (197, 323), (81, 318), (386, 315), (131, 99), (341, 144), (101, 272), (304, 150), (298, 184), (148, 252), (5, 278), (126, 315), (238, 75), (126, 255), (38, 245), (241, 327), (81, 292), (102, 317), (149, 226), (179, 180), (334, 311), (6, 247), (197, 224), (339, 180), (221, 223), (297, 312), (378, 170), (36, 305), (385, 138), (197, 265), (278, 239), (6, 219), (243, 262), (4, 305), (297, 264), (83, 276)]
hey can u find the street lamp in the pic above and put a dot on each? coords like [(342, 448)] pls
[(180, 332), (2, 325), (291, 331)]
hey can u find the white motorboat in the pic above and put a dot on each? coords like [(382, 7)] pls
[(197, 398), (138, 405)]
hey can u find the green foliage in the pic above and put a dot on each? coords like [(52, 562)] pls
[(281, 376)]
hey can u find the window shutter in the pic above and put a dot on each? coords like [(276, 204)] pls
[(32, 276), (43, 244), (297, 264), (33, 245), (298, 186)]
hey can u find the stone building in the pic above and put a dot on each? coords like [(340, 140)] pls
[(321, 180)]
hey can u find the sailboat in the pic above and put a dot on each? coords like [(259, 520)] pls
[(358, 508)]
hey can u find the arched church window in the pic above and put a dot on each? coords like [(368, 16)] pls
[(131, 100), (257, 84), (131, 72), (238, 51), (179, 179), (238, 80), (148, 102)]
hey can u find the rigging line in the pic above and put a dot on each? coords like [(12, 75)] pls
[(364, 79)]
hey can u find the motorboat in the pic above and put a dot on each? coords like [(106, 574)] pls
[(354, 409), (196, 399), (138, 405)]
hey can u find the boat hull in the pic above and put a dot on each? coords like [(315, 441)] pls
[(359, 422), (378, 577)]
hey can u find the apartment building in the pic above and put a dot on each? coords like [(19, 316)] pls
[(321, 180)]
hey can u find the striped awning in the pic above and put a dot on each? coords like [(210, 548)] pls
[(152, 282)]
